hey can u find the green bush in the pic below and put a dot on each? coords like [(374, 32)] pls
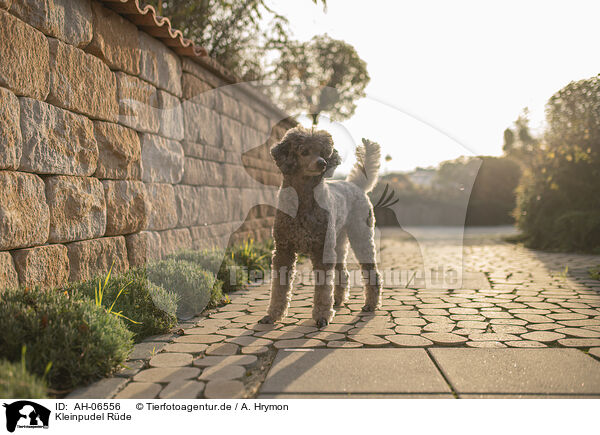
[(195, 286), (252, 256), (595, 272), (17, 383), (150, 308), (215, 261), (558, 202), (82, 341)]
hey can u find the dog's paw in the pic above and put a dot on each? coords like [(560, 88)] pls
[(322, 322), (339, 303), (266, 320), (368, 308)]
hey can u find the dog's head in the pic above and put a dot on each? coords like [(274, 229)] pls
[(306, 152)]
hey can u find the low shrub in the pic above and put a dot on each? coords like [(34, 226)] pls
[(148, 308), (82, 341), (17, 383), (595, 272), (253, 256), (216, 261), (193, 285)]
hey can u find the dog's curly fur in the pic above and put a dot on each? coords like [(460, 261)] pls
[(318, 217)]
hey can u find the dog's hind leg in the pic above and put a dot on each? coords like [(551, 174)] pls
[(362, 239), (282, 277), (341, 273)]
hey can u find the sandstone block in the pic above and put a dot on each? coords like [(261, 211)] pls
[(77, 208), (10, 130), (171, 116), (143, 247), (56, 141), (199, 92), (24, 214), (138, 104), (24, 53), (202, 172), (203, 74), (115, 40), (162, 160), (162, 210), (81, 82), (159, 65), (8, 274), (126, 206), (201, 125), (68, 20), (46, 266), (201, 205), (233, 138), (229, 105), (119, 152), (174, 240), (90, 258)]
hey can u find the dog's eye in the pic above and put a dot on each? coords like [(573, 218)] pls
[(305, 152)]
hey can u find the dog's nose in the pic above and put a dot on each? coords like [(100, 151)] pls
[(321, 163)]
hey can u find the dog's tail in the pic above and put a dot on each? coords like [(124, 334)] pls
[(366, 169)]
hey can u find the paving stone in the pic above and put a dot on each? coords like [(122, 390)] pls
[(300, 329), (354, 371), (469, 324), (247, 319), (326, 336), (235, 332), (279, 335), (579, 342), (298, 343), (224, 390), (200, 338), (139, 390), (250, 341), (171, 359), (102, 389), (255, 350), (491, 336), (371, 331), (186, 347), (369, 340), (518, 322), (439, 327), (543, 336), (335, 344), (567, 316), (405, 329), (198, 330), (222, 349), (182, 389), (167, 374), (345, 319), (409, 340), (263, 327), (130, 368), (444, 338), (578, 332), (543, 326), (410, 321), (525, 343), (239, 360), (222, 373), (508, 329), (146, 350), (576, 323), (486, 344), (534, 371), (595, 352)]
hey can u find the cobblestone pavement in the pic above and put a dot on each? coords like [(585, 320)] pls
[(511, 297)]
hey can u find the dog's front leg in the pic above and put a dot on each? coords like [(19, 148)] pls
[(323, 301), (282, 277)]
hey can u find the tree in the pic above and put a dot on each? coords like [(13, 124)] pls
[(519, 143), (236, 33), (558, 203), (323, 75)]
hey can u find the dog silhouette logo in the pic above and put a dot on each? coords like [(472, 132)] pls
[(26, 414)]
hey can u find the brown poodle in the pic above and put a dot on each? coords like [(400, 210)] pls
[(317, 217)]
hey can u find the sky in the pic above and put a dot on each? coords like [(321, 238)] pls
[(447, 77)]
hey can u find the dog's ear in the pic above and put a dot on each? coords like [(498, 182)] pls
[(333, 162), (283, 156)]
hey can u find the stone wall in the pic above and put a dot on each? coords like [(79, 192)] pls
[(114, 148)]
